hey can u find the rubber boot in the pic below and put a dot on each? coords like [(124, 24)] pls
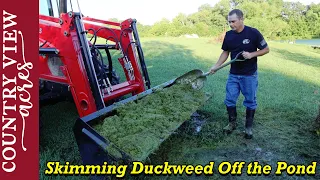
[(232, 112), (249, 122)]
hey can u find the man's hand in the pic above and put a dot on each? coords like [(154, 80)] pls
[(247, 55), (223, 57), (213, 70)]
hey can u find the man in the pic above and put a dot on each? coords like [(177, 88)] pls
[(243, 74)]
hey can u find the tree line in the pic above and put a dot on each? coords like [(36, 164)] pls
[(276, 19)]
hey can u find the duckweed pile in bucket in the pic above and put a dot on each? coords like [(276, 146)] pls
[(139, 127)]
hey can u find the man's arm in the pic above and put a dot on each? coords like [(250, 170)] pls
[(260, 44), (223, 57), (260, 52)]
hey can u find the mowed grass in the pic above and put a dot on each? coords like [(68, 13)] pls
[(288, 100)]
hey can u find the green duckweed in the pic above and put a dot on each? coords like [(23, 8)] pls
[(138, 128)]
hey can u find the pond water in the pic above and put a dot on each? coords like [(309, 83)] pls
[(308, 41), (311, 42)]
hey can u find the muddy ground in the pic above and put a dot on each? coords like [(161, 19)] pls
[(273, 141)]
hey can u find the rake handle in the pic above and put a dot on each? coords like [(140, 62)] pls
[(220, 67), (225, 64)]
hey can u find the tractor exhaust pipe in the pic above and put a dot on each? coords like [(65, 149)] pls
[(63, 6)]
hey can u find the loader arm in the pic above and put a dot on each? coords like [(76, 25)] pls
[(67, 57)]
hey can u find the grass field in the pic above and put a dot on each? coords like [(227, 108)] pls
[(288, 100)]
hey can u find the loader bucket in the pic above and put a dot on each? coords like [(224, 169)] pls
[(99, 137)]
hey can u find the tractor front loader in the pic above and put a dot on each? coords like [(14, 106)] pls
[(71, 62)]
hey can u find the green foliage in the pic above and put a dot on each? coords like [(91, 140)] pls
[(276, 19)]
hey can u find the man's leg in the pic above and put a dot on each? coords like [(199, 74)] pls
[(249, 86), (232, 94), (249, 122)]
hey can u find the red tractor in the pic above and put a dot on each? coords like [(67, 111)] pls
[(67, 57), (70, 62)]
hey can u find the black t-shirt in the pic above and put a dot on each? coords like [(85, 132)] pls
[(249, 39)]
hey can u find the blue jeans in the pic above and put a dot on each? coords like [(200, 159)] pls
[(248, 86)]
